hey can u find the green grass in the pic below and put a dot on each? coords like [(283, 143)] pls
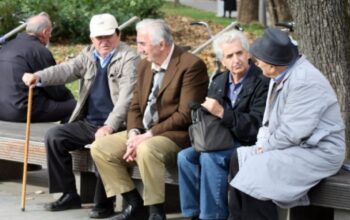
[(197, 14)]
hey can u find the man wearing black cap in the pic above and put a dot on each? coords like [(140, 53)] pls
[(301, 140)]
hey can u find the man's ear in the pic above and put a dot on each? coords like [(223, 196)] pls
[(162, 44)]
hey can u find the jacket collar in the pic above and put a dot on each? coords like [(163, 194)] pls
[(247, 87), (172, 69), (116, 56), (168, 76)]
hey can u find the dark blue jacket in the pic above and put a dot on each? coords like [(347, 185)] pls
[(23, 54)]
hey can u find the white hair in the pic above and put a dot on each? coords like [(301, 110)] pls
[(229, 37), (36, 24), (158, 30)]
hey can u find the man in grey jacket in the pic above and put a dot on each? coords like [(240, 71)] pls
[(301, 142), (106, 70)]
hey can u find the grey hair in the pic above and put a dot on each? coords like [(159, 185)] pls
[(158, 30), (229, 37), (37, 23)]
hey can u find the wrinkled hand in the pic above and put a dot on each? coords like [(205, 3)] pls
[(30, 79), (132, 143), (103, 131), (259, 150), (214, 107)]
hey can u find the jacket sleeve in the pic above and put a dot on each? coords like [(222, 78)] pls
[(135, 114), (126, 84), (302, 112), (245, 124), (65, 72)]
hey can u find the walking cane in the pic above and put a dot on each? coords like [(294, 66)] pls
[(26, 148)]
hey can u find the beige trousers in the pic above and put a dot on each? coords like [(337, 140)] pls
[(152, 156)]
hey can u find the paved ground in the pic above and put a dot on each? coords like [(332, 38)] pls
[(37, 195), (207, 5)]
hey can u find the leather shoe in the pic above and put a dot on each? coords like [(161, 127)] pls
[(66, 201), (132, 213), (157, 216), (99, 212)]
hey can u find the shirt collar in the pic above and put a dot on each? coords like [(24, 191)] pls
[(280, 76), (230, 80), (103, 61), (166, 62)]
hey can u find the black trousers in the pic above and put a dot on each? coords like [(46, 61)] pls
[(244, 207), (50, 104), (59, 141), (57, 104)]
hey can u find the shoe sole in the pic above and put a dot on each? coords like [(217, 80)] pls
[(63, 208)]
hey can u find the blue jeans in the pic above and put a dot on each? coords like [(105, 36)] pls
[(203, 180)]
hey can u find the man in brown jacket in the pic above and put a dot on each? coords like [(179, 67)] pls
[(158, 119)]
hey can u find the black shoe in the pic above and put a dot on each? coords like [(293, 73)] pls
[(101, 212), (157, 216), (132, 213), (66, 201), (195, 218)]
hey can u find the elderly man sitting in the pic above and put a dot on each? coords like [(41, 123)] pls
[(302, 139)]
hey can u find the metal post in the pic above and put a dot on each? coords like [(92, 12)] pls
[(12, 32), (128, 22), (208, 42), (262, 12)]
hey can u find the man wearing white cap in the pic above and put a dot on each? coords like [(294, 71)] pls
[(106, 70)]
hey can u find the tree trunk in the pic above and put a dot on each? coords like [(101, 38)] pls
[(176, 2), (279, 11), (248, 11), (323, 32)]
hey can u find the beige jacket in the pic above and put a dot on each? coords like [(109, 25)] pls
[(121, 81)]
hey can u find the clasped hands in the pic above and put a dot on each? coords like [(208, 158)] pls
[(132, 143)]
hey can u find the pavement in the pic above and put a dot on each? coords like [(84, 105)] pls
[(37, 195), (206, 5), (215, 6)]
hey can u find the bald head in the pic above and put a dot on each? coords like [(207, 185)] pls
[(40, 26), (38, 23)]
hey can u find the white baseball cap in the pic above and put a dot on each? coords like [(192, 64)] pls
[(102, 25)]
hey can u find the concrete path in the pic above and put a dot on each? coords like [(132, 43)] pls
[(215, 6), (37, 196), (206, 5)]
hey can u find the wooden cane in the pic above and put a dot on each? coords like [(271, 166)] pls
[(26, 148)]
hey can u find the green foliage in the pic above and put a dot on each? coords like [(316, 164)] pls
[(71, 17)]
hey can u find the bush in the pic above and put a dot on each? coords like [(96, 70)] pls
[(71, 17)]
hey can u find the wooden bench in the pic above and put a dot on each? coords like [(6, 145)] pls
[(329, 198), (12, 140)]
